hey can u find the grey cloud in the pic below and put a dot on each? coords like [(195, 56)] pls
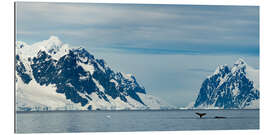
[(106, 25)]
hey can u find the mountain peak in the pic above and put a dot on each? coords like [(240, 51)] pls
[(21, 44), (222, 89), (82, 53), (54, 39), (239, 65), (240, 62), (52, 43), (221, 69)]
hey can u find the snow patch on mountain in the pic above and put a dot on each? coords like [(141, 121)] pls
[(154, 102), (34, 97), (253, 74)]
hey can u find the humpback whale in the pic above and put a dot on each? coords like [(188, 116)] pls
[(201, 114), (220, 117)]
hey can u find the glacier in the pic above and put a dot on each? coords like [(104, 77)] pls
[(51, 75)]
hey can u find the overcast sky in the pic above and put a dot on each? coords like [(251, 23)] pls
[(170, 49)]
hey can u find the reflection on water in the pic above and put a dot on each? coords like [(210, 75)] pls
[(110, 121)]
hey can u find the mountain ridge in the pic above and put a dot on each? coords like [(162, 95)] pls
[(230, 88), (84, 82)]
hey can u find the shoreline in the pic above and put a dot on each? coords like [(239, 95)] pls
[(127, 110)]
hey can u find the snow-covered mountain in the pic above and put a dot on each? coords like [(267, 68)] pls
[(230, 88), (52, 76)]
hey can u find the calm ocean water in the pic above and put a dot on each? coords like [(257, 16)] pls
[(118, 121)]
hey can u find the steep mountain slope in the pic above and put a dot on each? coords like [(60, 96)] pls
[(52, 76), (230, 88)]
